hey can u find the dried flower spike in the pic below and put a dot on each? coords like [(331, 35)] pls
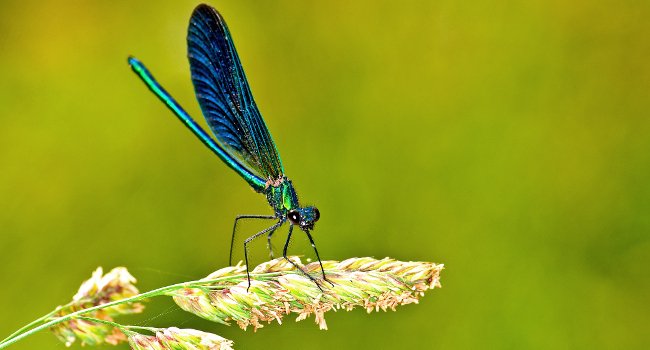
[(278, 289), (175, 338), (99, 289)]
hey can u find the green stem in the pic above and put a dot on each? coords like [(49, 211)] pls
[(33, 323), (122, 328), (16, 336)]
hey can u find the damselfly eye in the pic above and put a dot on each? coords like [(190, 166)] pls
[(294, 217), (316, 214)]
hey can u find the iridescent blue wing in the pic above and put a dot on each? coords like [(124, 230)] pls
[(225, 97)]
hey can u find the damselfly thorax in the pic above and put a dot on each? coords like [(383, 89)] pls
[(282, 197)]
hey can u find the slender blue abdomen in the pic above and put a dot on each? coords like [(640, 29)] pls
[(257, 183)]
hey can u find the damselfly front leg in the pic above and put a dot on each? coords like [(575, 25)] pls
[(234, 230), (249, 239)]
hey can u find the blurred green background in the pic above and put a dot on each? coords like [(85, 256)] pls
[(509, 141)]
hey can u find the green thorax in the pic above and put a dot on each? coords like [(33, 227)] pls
[(281, 195)]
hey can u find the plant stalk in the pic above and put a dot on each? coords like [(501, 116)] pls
[(18, 335)]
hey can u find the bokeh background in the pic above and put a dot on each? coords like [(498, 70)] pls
[(509, 141)]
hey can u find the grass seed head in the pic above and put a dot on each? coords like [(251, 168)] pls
[(99, 289), (175, 338), (278, 289)]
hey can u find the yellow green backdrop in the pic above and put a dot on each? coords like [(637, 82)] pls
[(509, 141)]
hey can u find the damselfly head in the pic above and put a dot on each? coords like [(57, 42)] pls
[(304, 217)]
